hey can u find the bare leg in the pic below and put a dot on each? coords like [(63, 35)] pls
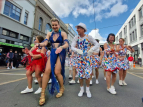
[(29, 78), (97, 73), (113, 79), (120, 74), (108, 77), (124, 75), (39, 78)]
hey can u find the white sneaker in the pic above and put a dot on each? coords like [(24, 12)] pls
[(72, 82), (120, 82), (124, 83), (90, 82), (27, 90), (50, 81), (97, 82), (78, 81), (92, 76), (38, 91), (41, 75), (112, 91), (70, 76), (80, 94), (105, 78), (88, 92), (76, 75), (112, 87), (13, 68), (36, 81), (8, 68)]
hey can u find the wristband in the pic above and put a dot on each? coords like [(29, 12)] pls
[(62, 47)]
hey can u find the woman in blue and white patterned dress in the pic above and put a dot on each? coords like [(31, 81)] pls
[(123, 62), (110, 62)]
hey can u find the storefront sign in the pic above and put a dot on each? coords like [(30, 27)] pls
[(12, 45)]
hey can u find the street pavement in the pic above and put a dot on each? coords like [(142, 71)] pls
[(12, 82)]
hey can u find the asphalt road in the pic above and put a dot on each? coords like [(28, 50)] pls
[(14, 81)]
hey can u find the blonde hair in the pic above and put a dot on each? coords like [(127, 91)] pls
[(123, 39), (55, 20)]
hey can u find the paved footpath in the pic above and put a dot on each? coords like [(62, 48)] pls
[(14, 81)]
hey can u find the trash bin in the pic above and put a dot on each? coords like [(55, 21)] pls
[(140, 62)]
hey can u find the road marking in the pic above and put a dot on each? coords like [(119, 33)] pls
[(135, 75), (138, 73), (11, 74), (13, 69), (13, 81)]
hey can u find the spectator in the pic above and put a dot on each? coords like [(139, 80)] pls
[(18, 60), (15, 59), (131, 59), (10, 56)]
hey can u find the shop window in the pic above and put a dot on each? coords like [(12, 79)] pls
[(25, 18)]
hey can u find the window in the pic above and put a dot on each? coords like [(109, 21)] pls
[(130, 37), (125, 29), (120, 35), (12, 42), (7, 41), (16, 43), (140, 13), (134, 19), (135, 34), (40, 23), (130, 24), (25, 18), (12, 11), (3, 40), (25, 38), (48, 27), (142, 30), (117, 39), (9, 33), (5, 32)]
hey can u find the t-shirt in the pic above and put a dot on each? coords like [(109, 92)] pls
[(130, 58)]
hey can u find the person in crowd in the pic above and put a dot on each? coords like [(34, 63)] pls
[(10, 56)]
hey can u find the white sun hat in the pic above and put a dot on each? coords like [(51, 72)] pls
[(82, 25)]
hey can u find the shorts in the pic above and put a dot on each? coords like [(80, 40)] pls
[(10, 60)]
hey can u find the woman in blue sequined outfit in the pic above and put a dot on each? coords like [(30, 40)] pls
[(56, 62), (123, 61)]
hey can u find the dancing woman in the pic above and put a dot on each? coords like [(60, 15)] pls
[(122, 60), (110, 62), (37, 65), (56, 62)]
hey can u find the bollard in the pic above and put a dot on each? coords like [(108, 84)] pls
[(134, 65)]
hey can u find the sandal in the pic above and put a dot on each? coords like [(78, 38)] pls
[(42, 98), (60, 94)]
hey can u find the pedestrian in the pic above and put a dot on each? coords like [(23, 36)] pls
[(15, 59), (10, 56), (84, 60), (56, 62), (110, 62), (131, 59), (123, 61), (36, 64), (97, 60)]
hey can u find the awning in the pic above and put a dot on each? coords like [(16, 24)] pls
[(12, 45), (32, 45)]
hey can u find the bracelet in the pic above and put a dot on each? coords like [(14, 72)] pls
[(62, 47)]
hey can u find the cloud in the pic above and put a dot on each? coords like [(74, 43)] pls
[(102, 8), (96, 35), (71, 25)]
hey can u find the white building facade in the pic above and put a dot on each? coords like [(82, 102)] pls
[(71, 33), (132, 32), (16, 23)]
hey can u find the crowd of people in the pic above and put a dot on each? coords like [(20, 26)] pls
[(85, 57)]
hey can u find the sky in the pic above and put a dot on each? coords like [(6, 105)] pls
[(106, 16)]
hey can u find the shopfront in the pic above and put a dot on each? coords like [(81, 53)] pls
[(136, 53)]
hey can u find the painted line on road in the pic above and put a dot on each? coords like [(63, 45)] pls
[(135, 75), (13, 81), (11, 74), (12, 70), (138, 73)]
